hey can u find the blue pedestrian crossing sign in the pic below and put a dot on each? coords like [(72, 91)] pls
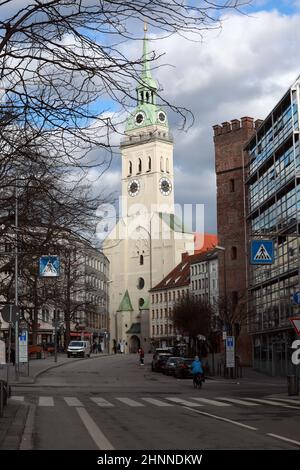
[(262, 252), (296, 298), (49, 266)]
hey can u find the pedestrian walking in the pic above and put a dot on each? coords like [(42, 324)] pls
[(142, 354)]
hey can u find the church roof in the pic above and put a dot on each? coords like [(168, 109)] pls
[(125, 305), (134, 329), (174, 222), (147, 112)]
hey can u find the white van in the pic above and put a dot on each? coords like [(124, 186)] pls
[(79, 348)]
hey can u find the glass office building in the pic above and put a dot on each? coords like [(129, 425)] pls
[(272, 177)]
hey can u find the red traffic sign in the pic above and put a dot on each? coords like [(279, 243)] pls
[(295, 321)]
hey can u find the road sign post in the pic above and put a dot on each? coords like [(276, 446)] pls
[(230, 352)]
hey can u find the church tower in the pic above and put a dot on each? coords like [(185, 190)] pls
[(147, 149), (147, 242)]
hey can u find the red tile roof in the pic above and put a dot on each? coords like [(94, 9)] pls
[(204, 241), (180, 275)]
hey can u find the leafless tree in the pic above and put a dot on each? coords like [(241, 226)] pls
[(192, 317)]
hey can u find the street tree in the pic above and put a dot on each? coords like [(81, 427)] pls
[(192, 317)]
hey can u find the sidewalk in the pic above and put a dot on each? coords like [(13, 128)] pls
[(252, 376), (37, 367), (15, 416)]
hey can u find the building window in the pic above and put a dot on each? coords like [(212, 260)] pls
[(153, 314), (231, 185), (141, 259), (233, 252), (161, 313), (234, 297), (139, 166), (161, 164), (153, 330), (167, 165), (141, 302), (153, 298), (149, 163), (141, 283)]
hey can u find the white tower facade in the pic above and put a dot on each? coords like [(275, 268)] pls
[(147, 242)]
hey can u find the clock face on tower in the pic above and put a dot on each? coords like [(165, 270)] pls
[(165, 186), (161, 116), (133, 188), (139, 118)]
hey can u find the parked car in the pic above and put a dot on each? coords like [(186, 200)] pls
[(171, 364), (159, 360), (79, 348), (183, 369)]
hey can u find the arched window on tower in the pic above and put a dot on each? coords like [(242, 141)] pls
[(130, 168), (142, 97), (161, 164), (149, 163), (141, 259), (167, 165), (140, 166), (147, 96), (152, 97)]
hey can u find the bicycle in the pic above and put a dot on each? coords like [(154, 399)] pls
[(197, 380)]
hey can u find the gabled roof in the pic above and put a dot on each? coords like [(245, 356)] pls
[(180, 275), (125, 305)]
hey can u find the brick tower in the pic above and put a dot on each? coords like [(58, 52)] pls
[(229, 140)]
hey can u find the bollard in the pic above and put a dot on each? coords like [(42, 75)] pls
[(293, 385)]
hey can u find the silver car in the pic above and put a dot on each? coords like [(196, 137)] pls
[(79, 349)]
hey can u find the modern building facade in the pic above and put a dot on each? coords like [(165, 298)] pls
[(272, 174)]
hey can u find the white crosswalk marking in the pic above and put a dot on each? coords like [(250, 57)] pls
[(238, 402), (46, 401), (102, 402), (156, 402), (16, 397), (288, 400), (72, 401), (129, 402), (182, 402), (210, 402), (273, 403)]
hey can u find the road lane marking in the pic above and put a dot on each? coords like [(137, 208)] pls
[(239, 402), (101, 402), (27, 437), (287, 400), (220, 418), (96, 434), (210, 402), (16, 397), (72, 401), (183, 402), (284, 438), (156, 402), (46, 401), (129, 402), (273, 403)]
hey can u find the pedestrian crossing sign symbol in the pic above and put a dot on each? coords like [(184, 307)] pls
[(262, 252), (49, 266)]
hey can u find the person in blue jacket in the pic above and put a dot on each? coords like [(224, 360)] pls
[(197, 367)]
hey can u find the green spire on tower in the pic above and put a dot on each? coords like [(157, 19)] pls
[(147, 113)]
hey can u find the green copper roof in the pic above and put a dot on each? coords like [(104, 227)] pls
[(125, 305), (174, 222), (146, 97), (134, 329)]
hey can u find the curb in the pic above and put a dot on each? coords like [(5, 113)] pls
[(54, 366)]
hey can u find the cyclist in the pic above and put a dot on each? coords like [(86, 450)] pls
[(197, 368)]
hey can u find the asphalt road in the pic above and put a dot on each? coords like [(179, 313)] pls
[(114, 403)]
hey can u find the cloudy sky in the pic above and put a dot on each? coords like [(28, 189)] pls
[(242, 70)]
